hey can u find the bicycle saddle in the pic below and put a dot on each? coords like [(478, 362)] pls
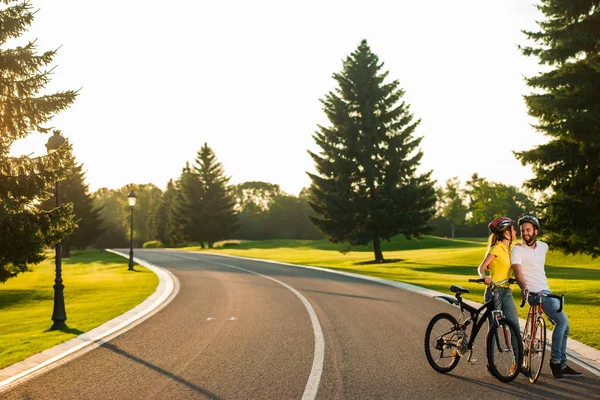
[(459, 289)]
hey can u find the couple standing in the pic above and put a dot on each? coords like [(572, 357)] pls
[(526, 261)]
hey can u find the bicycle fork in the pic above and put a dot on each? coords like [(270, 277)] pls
[(497, 316)]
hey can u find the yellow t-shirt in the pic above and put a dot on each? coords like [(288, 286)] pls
[(500, 266)]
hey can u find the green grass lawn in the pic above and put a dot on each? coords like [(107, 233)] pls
[(436, 263), (98, 288)]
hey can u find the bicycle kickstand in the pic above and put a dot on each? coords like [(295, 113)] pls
[(471, 360)]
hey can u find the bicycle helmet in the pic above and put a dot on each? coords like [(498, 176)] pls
[(532, 220), (500, 224)]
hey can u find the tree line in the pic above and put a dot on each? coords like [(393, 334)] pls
[(365, 188)]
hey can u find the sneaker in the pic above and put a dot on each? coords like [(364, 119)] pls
[(569, 372), (556, 370)]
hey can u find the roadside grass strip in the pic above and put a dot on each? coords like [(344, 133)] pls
[(98, 288), (436, 263)]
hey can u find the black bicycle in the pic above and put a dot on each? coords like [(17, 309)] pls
[(447, 340)]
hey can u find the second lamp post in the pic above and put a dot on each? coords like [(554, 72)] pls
[(131, 200), (59, 314)]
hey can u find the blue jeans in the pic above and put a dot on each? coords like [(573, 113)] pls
[(509, 309), (558, 354)]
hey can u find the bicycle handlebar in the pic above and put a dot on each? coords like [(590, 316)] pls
[(510, 281), (561, 298)]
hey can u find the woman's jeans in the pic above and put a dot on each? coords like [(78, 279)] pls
[(509, 309), (550, 305)]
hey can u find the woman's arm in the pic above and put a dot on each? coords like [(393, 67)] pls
[(484, 266)]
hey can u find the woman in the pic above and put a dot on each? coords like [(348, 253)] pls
[(497, 261)]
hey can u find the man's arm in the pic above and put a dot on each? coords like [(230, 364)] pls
[(518, 271)]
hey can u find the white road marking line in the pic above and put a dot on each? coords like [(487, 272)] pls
[(312, 386), (210, 319), (232, 318), (186, 257)]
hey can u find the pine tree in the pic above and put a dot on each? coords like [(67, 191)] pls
[(74, 190), (567, 106), (188, 206), (164, 218), (24, 229), (206, 204), (218, 218), (366, 188)]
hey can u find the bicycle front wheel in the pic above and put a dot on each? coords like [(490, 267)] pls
[(504, 351), (537, 349), (441, 340)]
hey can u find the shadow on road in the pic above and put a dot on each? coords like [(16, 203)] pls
[(153, 367), (541, 389)]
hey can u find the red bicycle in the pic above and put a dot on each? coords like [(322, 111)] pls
[(534, 335)]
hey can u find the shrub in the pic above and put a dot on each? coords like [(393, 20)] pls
[(153, 244)]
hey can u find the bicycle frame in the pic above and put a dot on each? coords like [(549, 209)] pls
[(476, 317)]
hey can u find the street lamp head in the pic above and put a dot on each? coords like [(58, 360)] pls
[(131, 198), (55, 141)]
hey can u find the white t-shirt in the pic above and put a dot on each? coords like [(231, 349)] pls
[(532, 261)]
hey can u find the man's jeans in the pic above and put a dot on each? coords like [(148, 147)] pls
[(509, 309), (558, 354)]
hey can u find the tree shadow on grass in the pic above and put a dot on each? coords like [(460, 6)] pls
[(463, 270), (11, 297), (373, 262), (562, 272), (93, 257)]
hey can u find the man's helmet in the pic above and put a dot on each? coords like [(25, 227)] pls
[(500, 224), (532, 220)]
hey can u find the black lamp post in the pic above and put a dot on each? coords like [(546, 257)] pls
[(131, 200), (59, 315)]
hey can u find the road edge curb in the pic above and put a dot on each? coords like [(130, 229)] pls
[(40, 363)]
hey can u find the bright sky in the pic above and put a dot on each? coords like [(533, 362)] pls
[(158, 79)]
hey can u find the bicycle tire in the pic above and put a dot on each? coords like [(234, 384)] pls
[(499, 347), (537, 350), (447, 325)]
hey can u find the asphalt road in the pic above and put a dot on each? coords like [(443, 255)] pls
[(242, 329)]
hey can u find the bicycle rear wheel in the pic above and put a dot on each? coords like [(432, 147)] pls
[(504, 351), (441, 338), (537, 349)]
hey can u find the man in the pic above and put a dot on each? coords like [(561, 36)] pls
[(528, 259)]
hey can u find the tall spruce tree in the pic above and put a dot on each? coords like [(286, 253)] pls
[(566, 103), (24, 229), (74, 190), (218, 219), (366, 188)]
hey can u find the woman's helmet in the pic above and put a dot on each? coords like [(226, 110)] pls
[(532, 220), (500, 224)]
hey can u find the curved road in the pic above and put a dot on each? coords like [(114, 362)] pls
[(243, 329)]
